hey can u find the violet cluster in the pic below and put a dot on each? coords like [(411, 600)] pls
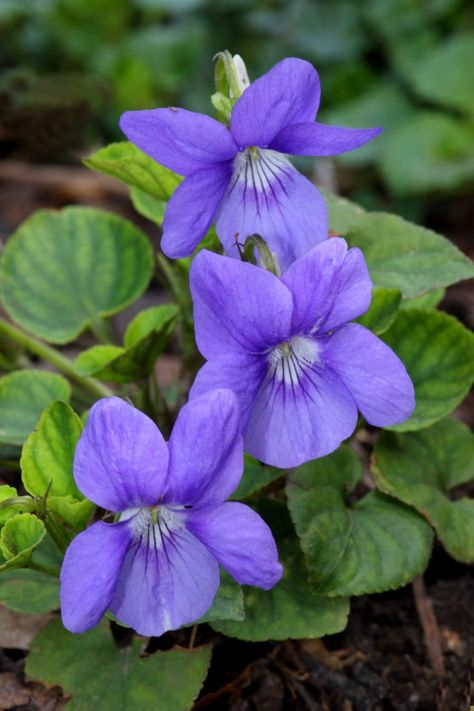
[(286, 375)]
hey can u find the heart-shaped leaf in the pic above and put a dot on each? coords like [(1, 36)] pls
[(291, 609), (420, 468), (24, 395), (438, 353), (98, 674), (375, 545), (63, 271)]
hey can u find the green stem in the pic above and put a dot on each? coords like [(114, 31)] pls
[(51, 355), (56, 531), (44, 569)]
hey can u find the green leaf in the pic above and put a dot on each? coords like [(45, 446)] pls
[(98, 675), (343, 214), (29, 591), (150, 207), (431, 152), (420, 468), (438, 353), (404, 256), (443, 75), (158, 319), (430, 300), (291, 609), (90, 262), (228, 603), (377, 544), (48, 453), (18, 538), (256, 476), (24, 395), (145, 338), (131, 166), (382, 311), (7, 492)]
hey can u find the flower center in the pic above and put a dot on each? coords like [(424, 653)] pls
[(258, 168), (289, 360), (153, 524)]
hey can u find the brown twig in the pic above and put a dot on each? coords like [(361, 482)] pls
[(431, 634)]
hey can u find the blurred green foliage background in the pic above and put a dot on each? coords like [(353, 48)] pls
[(70, 67)]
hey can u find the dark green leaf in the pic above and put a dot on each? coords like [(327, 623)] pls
[(28, 591), (404, 256), (99, 675), (131, 166), (24, 395), (375, 545), (91, 263), (228, 603), (382, 311), (256, 476), (291, 609), (438, 353), (430, 300), (419, 468)]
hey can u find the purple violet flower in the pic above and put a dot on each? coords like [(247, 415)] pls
[(300, 371), (241, 177), (157, 567)]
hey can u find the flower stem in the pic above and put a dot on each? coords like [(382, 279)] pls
[(51, 355)]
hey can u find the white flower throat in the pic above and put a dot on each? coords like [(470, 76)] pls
[(151, 526), (289, 360), (259, 168)]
